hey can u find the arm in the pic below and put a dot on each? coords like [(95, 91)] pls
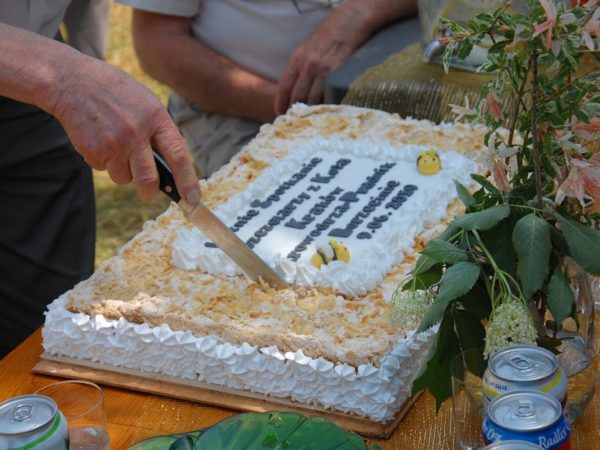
[(332, 43), (168, 52), (111, 119)]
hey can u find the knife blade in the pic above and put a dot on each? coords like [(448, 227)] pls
[(215, 230)]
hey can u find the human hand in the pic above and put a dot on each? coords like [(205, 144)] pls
[(113, 121), (304, 77), (332, 43)]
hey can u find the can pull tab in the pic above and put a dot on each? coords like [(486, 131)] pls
[(520, 363), (524, 408), (21, 412)]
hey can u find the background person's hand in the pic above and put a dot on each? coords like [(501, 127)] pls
[(327, 48), (332, 44)]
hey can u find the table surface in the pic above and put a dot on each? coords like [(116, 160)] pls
[(133, 416)]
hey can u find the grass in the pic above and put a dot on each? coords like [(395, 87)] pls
[(120, 215)]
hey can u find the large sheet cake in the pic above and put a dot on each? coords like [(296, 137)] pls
[(171, 303)]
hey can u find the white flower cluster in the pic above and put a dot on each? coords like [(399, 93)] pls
[(408, 308), (510, 324)]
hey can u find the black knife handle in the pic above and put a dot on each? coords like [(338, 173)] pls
[(166, 180)]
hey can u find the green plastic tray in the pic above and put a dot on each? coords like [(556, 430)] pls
[(263, 431)]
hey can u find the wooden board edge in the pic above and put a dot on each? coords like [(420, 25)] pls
[(209, 394)]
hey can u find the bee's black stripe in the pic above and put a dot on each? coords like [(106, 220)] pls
[(323, 256), (335, 255)]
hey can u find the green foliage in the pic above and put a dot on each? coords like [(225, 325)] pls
[(583, 243), (531, 240), (458, 280), (530, 217), (482, 220), (471, 335), (560, 296)]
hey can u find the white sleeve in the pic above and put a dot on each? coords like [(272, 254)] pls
[(183, 8)]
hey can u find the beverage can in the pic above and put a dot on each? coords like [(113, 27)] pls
[(512, 445), (32, 422), (524, 367), (528, 416)]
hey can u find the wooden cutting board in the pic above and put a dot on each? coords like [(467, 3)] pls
[(209, 393)]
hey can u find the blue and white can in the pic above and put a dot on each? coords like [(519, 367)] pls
[(512, 445), (527, 416)]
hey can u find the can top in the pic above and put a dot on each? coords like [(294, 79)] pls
[(512, 445), (26, 413), (523, 363), (524, 411)]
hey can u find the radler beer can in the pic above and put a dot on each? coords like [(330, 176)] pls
[(524, 367), (512, 445), (527, 416), (32, 422)]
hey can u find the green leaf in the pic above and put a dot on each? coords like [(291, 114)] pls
[(435, 378), (459, 330), (465, 49), (424, 263), (424, 280), (456, 281), (485, 183), (464, 195), (444, 252), (469, 330), (583, 243), (482, 220), (531, 239), (476, 302), (498, 241), (183, 443), (560, 296)]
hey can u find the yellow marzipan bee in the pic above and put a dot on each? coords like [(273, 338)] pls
[(335, 251), (429, 162)]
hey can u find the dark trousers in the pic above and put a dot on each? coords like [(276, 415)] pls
[(47, 218)]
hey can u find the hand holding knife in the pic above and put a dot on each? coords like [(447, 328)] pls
[(217, 231)]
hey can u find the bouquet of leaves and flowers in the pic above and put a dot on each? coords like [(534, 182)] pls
[(498, 275)]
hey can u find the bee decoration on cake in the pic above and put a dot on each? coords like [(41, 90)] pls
[(429, 162), (333, 251)]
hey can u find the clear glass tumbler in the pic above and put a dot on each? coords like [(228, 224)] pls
[(82, 404), (468, 407)]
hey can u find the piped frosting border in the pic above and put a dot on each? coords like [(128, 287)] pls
[(374, 392)]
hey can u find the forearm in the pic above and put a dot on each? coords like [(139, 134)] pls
[(168, 52), (31, 66), (111, 119), (364, 18)]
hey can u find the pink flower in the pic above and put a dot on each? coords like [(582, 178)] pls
[(583, 181), (493, 103), (461, 111), (591, 184), (500, 177), (571, 187), (588, 130), (547, 26), (591, 27)]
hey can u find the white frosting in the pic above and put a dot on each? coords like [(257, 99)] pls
[(369, 391), (371, 258)]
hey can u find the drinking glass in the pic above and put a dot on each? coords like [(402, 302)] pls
[(468, 408), (82, 404)]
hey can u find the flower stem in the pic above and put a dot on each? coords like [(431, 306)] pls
[(537, 163)]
